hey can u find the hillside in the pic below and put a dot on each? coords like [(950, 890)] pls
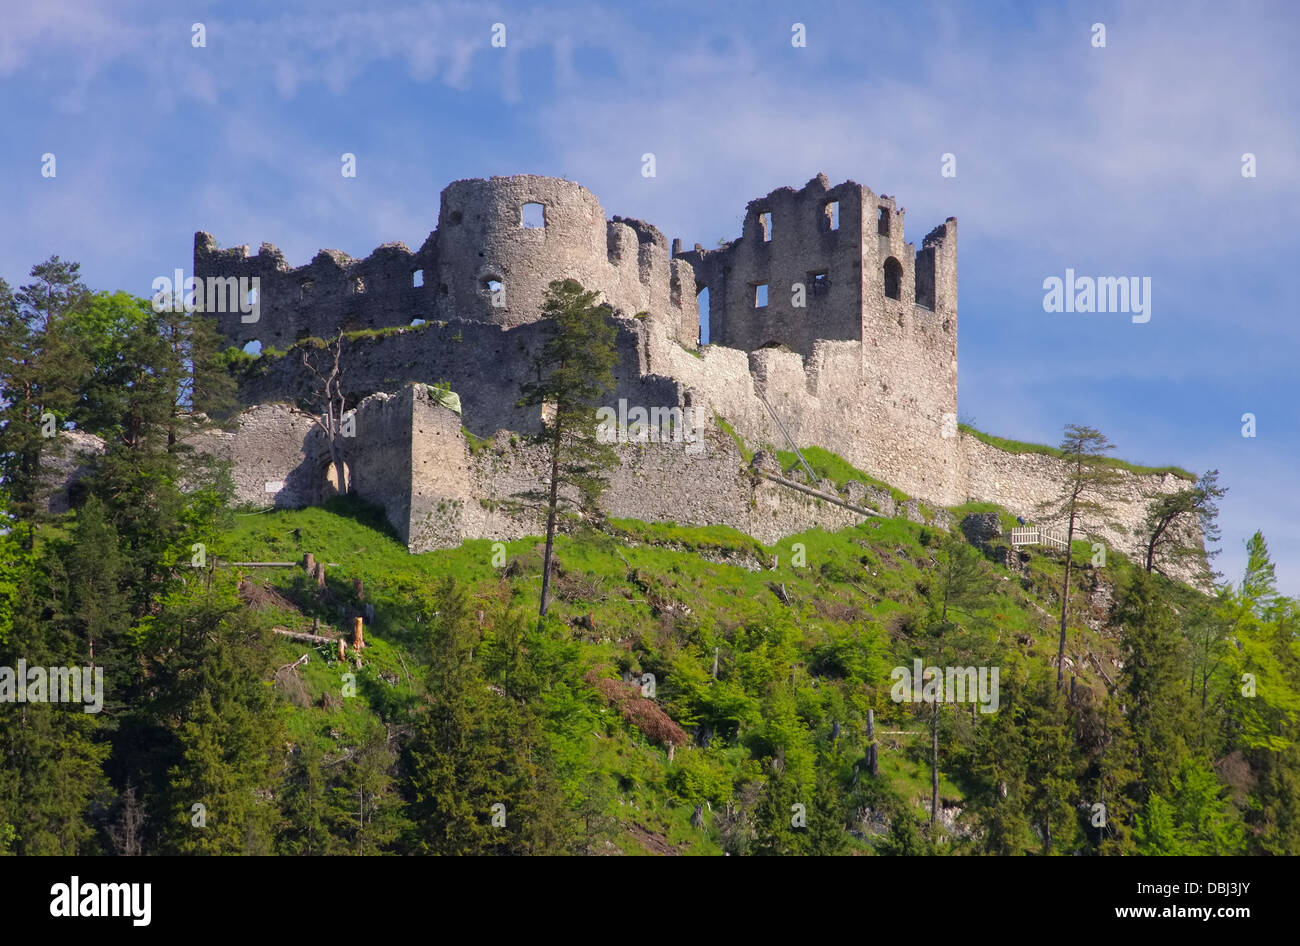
[(803, 650)]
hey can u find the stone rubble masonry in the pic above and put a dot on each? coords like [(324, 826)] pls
[(411, 457), (480, 239), (867, 369), (277, 455)]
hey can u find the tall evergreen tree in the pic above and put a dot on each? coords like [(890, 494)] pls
[(41, 367), (1155, 662), (1086, 487), (574, 368), (471, 749)]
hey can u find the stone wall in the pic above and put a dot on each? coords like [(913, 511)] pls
[(868, 369), (1020, 482), (411, 457), (481, 240), (277, 456), (494, 493)]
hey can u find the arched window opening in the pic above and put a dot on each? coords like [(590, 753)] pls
[(893, 278)]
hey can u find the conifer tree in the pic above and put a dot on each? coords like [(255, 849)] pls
[(1153, 681), (574, 368), (1086, 487)]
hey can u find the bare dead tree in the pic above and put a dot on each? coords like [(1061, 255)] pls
[(128, 831), (329, 403)]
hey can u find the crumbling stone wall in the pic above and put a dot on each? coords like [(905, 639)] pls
[(492, 493), (791, 238), (1020, 482), (887, 400), (867, 369), (480, 240), (277, 456)]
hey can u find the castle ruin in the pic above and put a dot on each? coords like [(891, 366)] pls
[(826, 328)]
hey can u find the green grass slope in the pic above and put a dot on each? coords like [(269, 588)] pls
[(804, 634)]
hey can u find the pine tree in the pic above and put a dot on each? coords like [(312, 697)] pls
[(1087, 485), (1053, 768), (304, 804), (51, 754), (1001, 762), (365, 807), (226, 726), (1155, 692), (41, 368), (776, 816), (574, 368), (473, 748), (1182, 526)]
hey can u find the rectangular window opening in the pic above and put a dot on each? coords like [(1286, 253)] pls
[(765, 222), (533, 216), (760, 295)]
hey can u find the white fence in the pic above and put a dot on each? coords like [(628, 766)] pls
[(1034, 535)]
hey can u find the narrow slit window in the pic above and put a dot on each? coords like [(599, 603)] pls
[(760, 295), (765, 225), (882, 221)]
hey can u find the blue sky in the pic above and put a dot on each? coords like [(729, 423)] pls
[(1117, 161)]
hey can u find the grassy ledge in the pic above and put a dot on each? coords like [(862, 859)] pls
[(1019, 446)]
